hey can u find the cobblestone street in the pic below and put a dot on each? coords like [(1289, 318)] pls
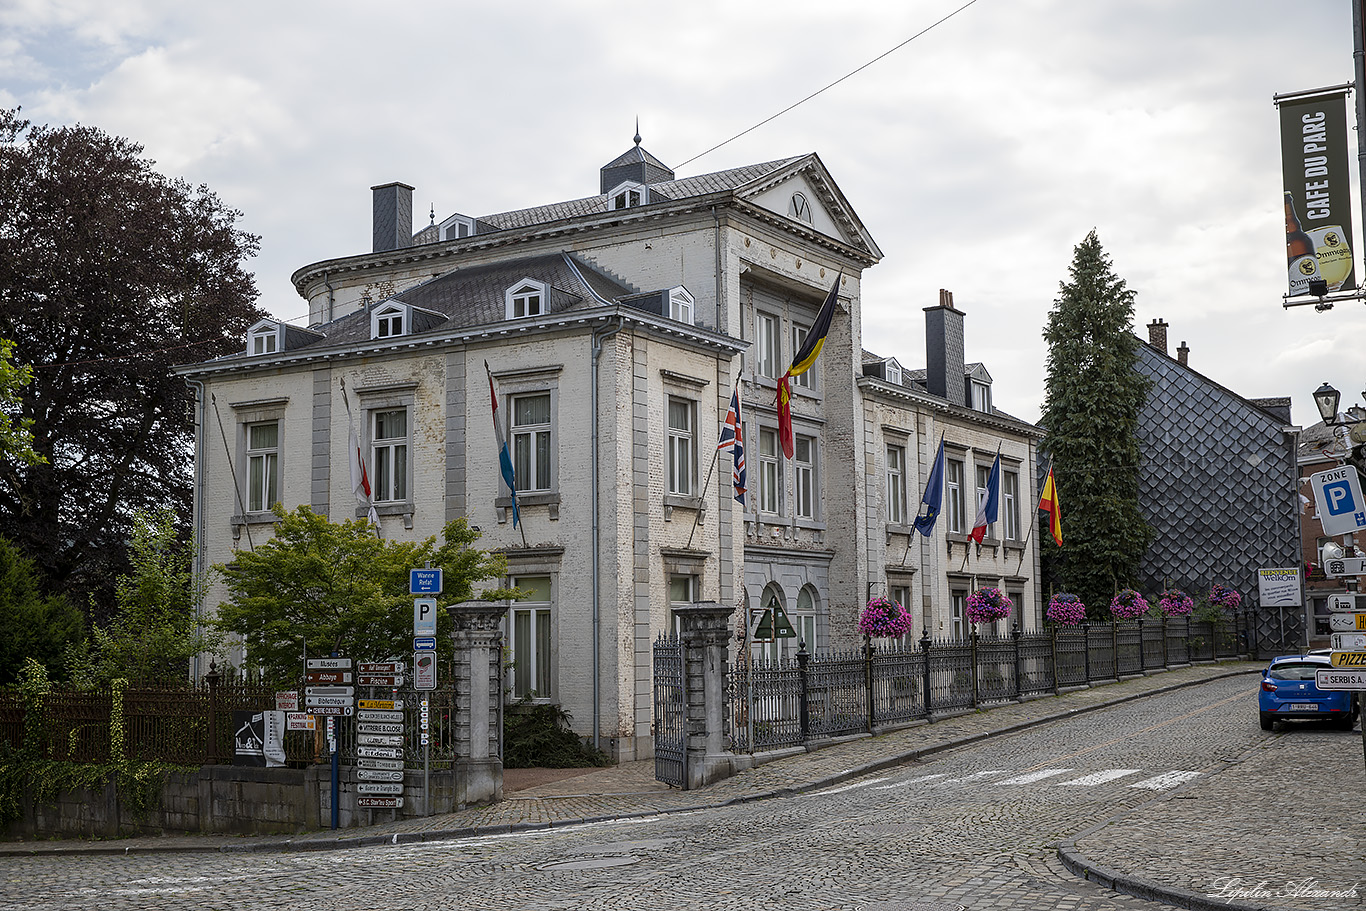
[(1175, 790)]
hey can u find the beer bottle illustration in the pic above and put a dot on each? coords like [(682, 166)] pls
[(1299, 251)]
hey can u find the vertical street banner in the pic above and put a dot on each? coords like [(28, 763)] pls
[(1318, 198)]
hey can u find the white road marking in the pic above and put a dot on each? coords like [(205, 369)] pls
[(1100, 777), (1031, 777), (1165, 780), (902, 784), (978, 775), (849, 787)]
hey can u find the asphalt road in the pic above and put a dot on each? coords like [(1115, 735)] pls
[(976, 828)]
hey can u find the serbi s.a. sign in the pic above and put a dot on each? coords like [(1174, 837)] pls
[(1337, 494)]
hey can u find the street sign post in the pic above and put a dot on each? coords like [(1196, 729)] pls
[(1337, 493), (424, 616), (1348, 659), (1347, 623), (327, 664), (424, 582), (1344, 566), (1348, 642), (371, 803), (1340, 680), (1342, 604), (424, 643), (374, 787), (390, 680), (424, 670)]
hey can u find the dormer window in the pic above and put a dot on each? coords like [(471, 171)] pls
[(388, 321), (981, 396), (799, 208), (680, 305), (627, 195), (456, 227), (526, 298), (892, 371), (263, 338)]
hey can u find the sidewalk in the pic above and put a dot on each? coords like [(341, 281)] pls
[(1224, 821)]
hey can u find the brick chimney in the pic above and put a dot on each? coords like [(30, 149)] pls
[(1157, 335), (944, 365), (393, 216), (1182, 353)]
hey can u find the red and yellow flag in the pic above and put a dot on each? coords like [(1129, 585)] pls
[(1049, 501), (811, 349)]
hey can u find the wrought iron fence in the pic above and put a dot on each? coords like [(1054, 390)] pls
[(783, 703)]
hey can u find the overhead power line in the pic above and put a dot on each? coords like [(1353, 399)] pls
[(826, 88)]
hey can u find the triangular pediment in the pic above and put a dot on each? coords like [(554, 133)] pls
[(805, 194)]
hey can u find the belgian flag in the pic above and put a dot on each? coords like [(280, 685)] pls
[(811, 349)]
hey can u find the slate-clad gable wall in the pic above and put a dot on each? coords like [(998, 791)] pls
[(1217, 486)]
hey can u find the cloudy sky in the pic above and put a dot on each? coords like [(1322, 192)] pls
[(978, 154)]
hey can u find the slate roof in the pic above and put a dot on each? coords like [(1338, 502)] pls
[(684, 188), (475, 296)]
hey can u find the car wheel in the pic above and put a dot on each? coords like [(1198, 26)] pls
[(1267, 721), (1347, 722)]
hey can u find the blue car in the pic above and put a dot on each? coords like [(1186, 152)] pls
[(1288, 691)]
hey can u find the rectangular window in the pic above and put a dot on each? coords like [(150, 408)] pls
[(896, 485), (263, 465), (682, 590), (530, 638), (682, 451), (807, 488), (901, 594), (981, 397), (389, 455), (767, 342), (804, 380), (1016, 610), (1010, 505), (263, 342), (680, 307), (768, 471), (983, 472), (953, 492), (531, 441), (389, 324), (958, 617)]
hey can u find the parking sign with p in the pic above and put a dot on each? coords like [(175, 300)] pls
[(1337, 493)]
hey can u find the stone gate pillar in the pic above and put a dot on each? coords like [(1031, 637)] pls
[(478, 701), (705, 633)]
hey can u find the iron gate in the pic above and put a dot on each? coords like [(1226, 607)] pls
[(670, 711)]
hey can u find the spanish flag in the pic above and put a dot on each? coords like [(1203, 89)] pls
[(811, 349), (1049, 502)]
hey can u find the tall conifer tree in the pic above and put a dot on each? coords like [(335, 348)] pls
[(1090, 417)]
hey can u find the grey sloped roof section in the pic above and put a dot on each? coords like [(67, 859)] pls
[(476, 296), (1217, 483), (717, 182)]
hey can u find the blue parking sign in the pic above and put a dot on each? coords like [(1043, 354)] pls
[(1337, 493)]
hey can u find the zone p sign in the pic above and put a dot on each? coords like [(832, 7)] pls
[(1337, 493)]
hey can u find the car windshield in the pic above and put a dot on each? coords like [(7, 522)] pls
[(1297, 670)]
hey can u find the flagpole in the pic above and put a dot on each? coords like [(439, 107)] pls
[(715, 457), (1025, 545)]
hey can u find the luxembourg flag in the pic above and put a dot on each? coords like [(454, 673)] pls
[(504, 456), (986, 512)]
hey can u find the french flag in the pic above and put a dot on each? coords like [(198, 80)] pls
[(986, 512)]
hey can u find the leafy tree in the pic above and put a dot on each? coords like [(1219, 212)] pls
[(16, 432), (320, 587), (32, 625), (155, 630), (1093, 395), (110, 274)]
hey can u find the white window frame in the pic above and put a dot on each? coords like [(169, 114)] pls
[(681, 452), (686, 586), (799, 208), (525, 440), (896, 484), (263, 487), (805, 379), (769, 501), (892, 371), (681, 305), (457, 227), (263, 339), (767, 344), (958, 613), (901, 594), (532, 650), (953, 492), (1010, 505), (628, 195), (981, 396), (391, 459), (389, 321), (518, 299), (806, 469)]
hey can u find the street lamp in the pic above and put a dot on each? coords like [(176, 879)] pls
[(1326, 399)]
